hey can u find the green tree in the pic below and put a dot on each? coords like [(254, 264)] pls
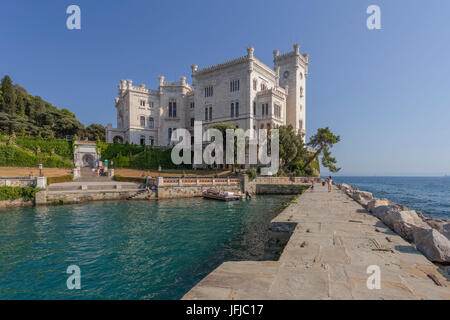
[(95, 132), (9, 96), (292, 149), (322, 141)]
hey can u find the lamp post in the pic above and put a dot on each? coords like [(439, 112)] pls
[(40, 169)]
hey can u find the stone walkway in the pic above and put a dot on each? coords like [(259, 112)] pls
[(327, 257)]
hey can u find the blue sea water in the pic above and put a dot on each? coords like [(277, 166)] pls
[(128, 249), (430, 195)]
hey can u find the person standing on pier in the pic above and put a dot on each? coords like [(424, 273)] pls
[(329, 181)]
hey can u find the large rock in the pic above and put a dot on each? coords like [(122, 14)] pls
[(443, 226), (404, 223), (375, 203), (434, 245), (362, 197), (446, 230)]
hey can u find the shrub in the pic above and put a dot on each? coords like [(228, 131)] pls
[(11, 156), (11, 193), (281, 173), (130, 179), (252, 173), (61, 147), (66, 178)]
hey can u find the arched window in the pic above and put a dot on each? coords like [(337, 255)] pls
[(151, 122), (142, 119), (237, 109), (232, 110)]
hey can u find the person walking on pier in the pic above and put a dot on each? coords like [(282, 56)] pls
[(329, 181)]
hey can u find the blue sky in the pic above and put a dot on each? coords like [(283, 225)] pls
[(385, 92)]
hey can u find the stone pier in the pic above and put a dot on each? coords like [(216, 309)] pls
[(333, 242)]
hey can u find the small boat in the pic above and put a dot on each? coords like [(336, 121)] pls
[(224, 196)]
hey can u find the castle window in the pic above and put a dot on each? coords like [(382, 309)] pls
[(192, 122), (262, 110), (142, 120), (206, 114), (170, 134), (255, 84), (209, 91), (151, 122), (267, 109), (151, 104), (210, 113), (142, 102), (263, 86), (192, 105), (234, 85), (254, 108), (142, 141), (237, 109), (301, 92), (277, 111), (232, 110), (172, 109), (152, 140)]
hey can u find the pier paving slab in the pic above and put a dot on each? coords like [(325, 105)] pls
[(334, 242)]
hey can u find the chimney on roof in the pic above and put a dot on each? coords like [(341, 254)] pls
[(297, 48)]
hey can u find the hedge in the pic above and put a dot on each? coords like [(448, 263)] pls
[(66, 178), (110, 151), (11, 193), (130, 179), (61, 147), (11, 156)]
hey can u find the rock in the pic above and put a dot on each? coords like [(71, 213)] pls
[(345, 186), (434, 245), (404, 223), (375, 203), (362, 197), (446, 230)]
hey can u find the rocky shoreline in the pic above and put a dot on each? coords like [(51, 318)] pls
[(431, 236)]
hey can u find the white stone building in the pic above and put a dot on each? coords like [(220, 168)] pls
[(243, 91)]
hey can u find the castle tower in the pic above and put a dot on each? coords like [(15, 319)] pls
[(293, 69)]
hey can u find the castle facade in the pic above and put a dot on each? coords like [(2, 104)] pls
[(244, 91)]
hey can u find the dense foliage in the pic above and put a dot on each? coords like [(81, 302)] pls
[(136, 157), (112, 150), (11, 156), (66, 178), (11, 193), (61, 147), (130, 179), (30, 115)]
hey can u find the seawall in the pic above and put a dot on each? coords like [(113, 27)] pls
[(331, 242)]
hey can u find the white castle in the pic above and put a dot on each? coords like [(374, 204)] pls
[(244, 91)]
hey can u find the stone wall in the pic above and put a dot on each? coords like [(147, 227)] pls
[(17, 181), (15, 203), (280, 188), (49, 198), (192, 191)]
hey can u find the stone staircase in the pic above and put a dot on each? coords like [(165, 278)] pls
[(86, 175)]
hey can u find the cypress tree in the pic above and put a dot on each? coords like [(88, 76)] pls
[(9, 96)]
